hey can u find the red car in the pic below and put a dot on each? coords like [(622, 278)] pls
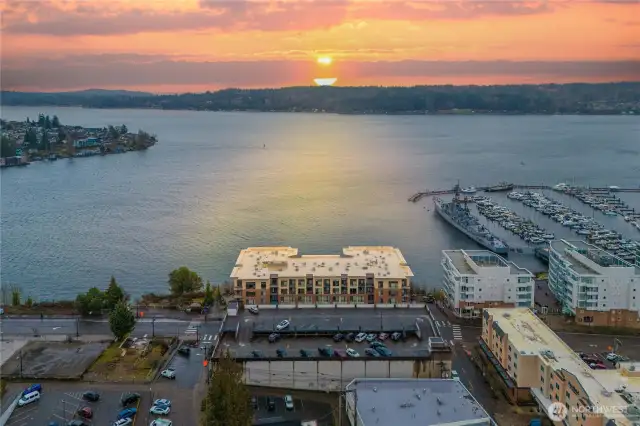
[(85, 412), (598, 366)]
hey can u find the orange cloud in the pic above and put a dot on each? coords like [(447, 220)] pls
[(192, 36)]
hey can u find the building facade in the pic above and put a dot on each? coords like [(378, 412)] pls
[(531, 357), (360, 275), (594, 285), (477, 279)]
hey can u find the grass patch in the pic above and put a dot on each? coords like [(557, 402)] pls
[(116, 364)]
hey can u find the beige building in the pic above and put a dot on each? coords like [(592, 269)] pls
[(360, 275), (531, 357)]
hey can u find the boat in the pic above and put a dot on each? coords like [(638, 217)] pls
[(502, 186), (469, 190), (459, 216)]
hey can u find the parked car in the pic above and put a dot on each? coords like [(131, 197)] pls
[(339, 353), (129, 398), (274, 337), (598, 366), (184, 350), (371, 337), (325, 351), (257, 354), (32, 388), (169, 373), (122, 422), (284, 324), (396, 336), (613, 357), (455, 375), (350, 337), (161, 422), (288, 402), (589, 360), (91, 396), (271, 404), (127, 412), (383, 336), (162, 402), (360, 337), (253, 310), (371, 352), (383, 351), (161, 410), (85, 412), (28, 398), (281, 353), (338, 337), (352, 353), (76, 422), (377, 344), (305, 353)]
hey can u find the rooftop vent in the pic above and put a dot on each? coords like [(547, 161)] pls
[(375, 389)]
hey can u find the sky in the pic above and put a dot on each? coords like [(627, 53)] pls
[(169, 46)]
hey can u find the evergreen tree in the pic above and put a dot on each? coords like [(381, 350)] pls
[(113, 295), (44, 141), (228, 401), (55, 122), (8, 147), (123, 130), (183, 280), (41, 120), (47, 122), (208, 295), (121, 320)]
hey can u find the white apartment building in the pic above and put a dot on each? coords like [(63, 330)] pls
[(596, 286), (477, 279)]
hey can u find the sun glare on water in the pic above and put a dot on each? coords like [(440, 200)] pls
[(325, 60)]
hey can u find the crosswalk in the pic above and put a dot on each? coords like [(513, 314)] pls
[(193, 327), (209, 337), (457, 333), (443, 324)]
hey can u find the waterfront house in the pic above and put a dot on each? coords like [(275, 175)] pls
[(86, 143)]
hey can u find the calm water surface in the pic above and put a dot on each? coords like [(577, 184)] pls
[(209, 189)]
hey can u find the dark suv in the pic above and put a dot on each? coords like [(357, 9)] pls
[(129, 398)]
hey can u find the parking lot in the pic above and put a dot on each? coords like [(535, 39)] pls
[(61, 406), (302, 410), (292, 345)]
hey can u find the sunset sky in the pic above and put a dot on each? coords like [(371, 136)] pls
[(197, 45)]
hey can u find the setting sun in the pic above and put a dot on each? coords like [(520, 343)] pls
[(325, 60)]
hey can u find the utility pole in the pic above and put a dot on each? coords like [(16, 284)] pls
[(20, 363), (153, 327), (77, 327)]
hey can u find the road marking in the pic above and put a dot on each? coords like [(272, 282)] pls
[(215, 337), (457, 333), (451, 341), (55, 328)]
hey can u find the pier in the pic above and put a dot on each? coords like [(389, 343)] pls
[(420, 195)]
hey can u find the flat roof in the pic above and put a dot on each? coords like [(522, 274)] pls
[(259, 263), (415, 402), (601, 258), (468, 261), (530, 336)]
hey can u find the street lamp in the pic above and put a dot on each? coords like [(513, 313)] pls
[(77, 327), (153, 327)]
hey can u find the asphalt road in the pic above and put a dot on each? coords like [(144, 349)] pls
[(28, 327)]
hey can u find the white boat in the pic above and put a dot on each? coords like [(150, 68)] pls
[(560, 187), (609, 212), (548, 236), (469, 190)]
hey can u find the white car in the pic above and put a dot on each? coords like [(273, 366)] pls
[(454, 375), (162, 402), (612, 357), (29, 398), (288, 402), (168, 373), (123, 422), (162, 410), (284, 324), (161, 422), (360, 337), (352, 353), (253, 310)]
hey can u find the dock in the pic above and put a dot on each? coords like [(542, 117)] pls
[(420, 195)]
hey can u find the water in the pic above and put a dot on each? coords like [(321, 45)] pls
[(209, 189)]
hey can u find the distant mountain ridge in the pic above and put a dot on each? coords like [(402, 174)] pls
[(576, 98)]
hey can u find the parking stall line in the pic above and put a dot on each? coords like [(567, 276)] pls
[(75, 395)]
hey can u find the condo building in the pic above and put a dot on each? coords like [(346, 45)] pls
[(534, 362), (477, 279), (360, 275), (594, 285)]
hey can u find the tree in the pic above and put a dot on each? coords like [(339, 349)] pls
[(44, 141), (113, 133), (228, 401), (15, 296), (91, 302), (41, 120), (183, 280), (121, 320), (31, 138), (8, 147), (124, 130), (61, 135), (55, 122), (47, 122), (113, 295), (208, 295)]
